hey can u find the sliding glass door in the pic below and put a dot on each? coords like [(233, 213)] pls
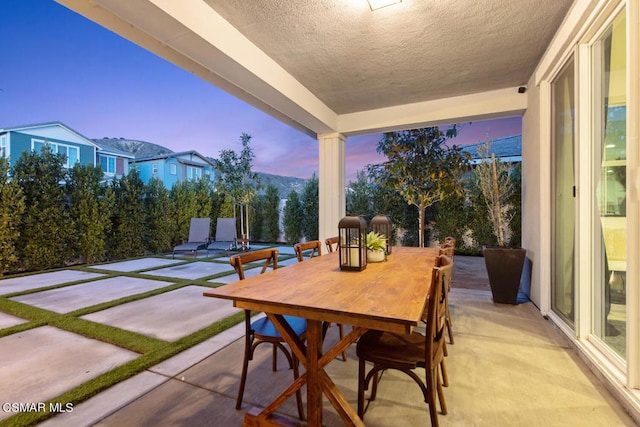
[(610, 187), (563, 194)]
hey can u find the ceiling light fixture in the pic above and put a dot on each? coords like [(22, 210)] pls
[(377, 4)]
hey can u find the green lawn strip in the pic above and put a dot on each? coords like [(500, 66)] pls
[(38, 317), (125, 371), (129, 298)]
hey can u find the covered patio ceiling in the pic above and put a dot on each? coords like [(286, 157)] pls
[(325, 66)]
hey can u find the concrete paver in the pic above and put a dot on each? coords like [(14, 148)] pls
[(167, 316), (70, 298), (193, 270), (41, 280), (7, 320), (136, 264), (46, 361)]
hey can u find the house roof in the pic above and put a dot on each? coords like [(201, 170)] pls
[(39, 129), (508, 149), (180, 157)]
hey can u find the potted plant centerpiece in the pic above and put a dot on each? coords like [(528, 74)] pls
[(376, 247), (504, 263)]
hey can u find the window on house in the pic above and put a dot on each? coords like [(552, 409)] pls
[(71, 153), (108, 164), (173, 169), (4, 148), (194, 173), (154, 169)]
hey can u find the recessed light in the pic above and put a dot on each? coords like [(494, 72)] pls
[(377, 4)]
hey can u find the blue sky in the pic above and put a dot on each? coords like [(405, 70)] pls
[(59, 66)]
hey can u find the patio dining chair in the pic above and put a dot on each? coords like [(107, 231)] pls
[(316, 250), (330, 242), (262, 330), (408, 352), (448, 249)]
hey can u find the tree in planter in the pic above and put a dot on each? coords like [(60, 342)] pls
[(292, 218), (421, 167), (310, 209), (237, 180), (494, 179), (504, 265), (90, 210), (11, 209), (271, 214)]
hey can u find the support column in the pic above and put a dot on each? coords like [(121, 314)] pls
[(331, 189)]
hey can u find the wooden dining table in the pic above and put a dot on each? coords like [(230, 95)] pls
[(388, 296)]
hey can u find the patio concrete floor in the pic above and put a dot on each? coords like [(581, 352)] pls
[(508, 366)]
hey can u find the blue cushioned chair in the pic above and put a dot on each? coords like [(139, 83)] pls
[(262, 330)]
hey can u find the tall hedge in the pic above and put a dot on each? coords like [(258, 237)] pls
[(11, 209), (45, 226), (158, 210), (271, 212), (129, 220), (293, 218), (310, 207), (90, 210)]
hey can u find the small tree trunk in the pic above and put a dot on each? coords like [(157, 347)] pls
[(498, 205), (421, 225)]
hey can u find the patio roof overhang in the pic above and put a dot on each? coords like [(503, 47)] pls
[(336, 66)]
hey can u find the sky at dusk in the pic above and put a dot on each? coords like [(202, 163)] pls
[(59, 66)]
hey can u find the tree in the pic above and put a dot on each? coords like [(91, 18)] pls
[(293, 218), (90, 211), (420, 167), (494, 179), (237, 179), (359, 197), (11, 209), (45, 227), (188, 200), (129, 220), (157, 206), (310, 208), (271, 214)]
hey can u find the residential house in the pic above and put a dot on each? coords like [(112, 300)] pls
[(76, 147), (172, 168), (508, 149), (61, 138), (113, 161)]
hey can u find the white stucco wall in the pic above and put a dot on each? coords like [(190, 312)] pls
[(532, 192)]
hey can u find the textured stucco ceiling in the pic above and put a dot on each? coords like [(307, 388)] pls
[(354, 59)]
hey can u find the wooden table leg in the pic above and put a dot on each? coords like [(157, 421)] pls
[(317, 380), (314, 387)]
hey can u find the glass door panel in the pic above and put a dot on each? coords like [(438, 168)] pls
[(610, 228), (563, 200)]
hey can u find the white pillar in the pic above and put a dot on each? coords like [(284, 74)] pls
[(331, 183)]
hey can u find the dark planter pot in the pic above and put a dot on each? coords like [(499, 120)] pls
[(504, 267)]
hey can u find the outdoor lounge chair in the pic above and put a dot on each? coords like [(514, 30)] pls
[(225, 235), (198, 237)]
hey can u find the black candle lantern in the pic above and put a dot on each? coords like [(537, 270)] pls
[(352, 244), (381, 224)]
